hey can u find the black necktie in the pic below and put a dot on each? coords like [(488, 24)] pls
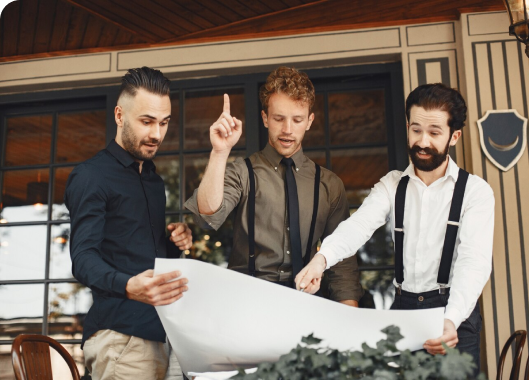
[(291, 191)]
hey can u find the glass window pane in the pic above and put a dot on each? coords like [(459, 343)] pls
[(168, 167), (60, 260), (379, 289), (378, 250), (21, 311), (28, 140), (209, 245), (80, 135), (317, 156), (59, 367), (315, 136), (172, 137), (67, 306), (360, 170), (194, 167), (203, 108), (59, 210), (357, 117), (25, 195), (22, 253), (6, 366)]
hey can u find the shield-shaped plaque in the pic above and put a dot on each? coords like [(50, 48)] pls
[(503, 136)]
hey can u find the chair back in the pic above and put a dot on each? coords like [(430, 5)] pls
[(31, 357), (518, 337)]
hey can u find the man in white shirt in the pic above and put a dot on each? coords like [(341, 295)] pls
[(442, 231)]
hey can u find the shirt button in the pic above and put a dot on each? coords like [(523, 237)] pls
[(288, 228), (421, 298), (288, 252), (275, 168), (282, 271)]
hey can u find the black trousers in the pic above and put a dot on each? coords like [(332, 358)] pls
[(468, 332)]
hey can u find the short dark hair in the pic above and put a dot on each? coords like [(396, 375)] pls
[(437, 96), (293, 83), (151, 80)]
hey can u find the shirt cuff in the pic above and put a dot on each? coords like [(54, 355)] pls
[(329, 258), (454, 315), (214, 220), (120, 284)]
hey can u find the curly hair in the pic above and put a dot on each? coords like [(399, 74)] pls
[(437, 96), (291, 82)]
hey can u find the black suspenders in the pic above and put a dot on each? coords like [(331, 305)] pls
[(251, 216), (451, 229)]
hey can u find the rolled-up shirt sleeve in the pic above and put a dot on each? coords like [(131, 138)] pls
[(234, 179), (473, 265), (343, 280), (86, 200)]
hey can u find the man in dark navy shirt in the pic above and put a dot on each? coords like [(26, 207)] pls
[(117, 208)]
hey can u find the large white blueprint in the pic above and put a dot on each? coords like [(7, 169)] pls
[(228, 320)]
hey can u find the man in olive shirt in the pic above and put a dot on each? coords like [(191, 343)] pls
[(287, 98)]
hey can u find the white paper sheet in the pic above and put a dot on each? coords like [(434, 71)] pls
[(228, 320)]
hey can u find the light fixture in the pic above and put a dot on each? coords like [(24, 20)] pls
[(519, 21)]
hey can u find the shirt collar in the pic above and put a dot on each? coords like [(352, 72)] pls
[(275, 158), (452, 170), (125, 158)]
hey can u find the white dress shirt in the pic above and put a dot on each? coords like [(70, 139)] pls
[(425, 219)]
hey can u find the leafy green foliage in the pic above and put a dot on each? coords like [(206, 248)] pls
[(307, 361)]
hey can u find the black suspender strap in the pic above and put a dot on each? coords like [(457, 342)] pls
[(400, 200), (251, 219), (315, 204), (452, 228)]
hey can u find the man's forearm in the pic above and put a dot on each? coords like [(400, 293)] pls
[(211, 190)]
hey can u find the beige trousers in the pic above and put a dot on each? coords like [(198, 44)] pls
[(112, 355)]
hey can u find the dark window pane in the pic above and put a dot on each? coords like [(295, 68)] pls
[(317, 156), (359, 170), (28, 140), (194, 167), (203, 108), (379, 288), (25, 195), (378, 250), (59, 210), (60, 261), (357, 117), (168, 167), (172, 137), (80, 135), (210, 245), (21, 311), (22, 252), (67, 306), (315, 136)]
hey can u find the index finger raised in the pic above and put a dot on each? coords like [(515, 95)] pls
[(226, 107)]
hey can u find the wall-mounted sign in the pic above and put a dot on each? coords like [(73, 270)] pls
[(503, 136)]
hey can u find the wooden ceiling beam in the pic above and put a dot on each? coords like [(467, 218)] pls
[(148, 37)]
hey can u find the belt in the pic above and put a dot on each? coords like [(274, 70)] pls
[(430, 294)]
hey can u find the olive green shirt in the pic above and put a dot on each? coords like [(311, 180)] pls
[(273, 260)]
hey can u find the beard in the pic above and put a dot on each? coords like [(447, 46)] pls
[(133, 146), (427, 165)]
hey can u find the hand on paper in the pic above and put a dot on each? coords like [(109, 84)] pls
[(226, 131), (309, 278), (156, 290), (180, 235), (449, 337)]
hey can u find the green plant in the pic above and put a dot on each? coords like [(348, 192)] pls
[(307, 361)]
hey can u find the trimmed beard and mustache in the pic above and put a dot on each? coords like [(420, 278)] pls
[(427, 165), (133, 146)]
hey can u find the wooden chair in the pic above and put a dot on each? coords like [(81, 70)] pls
[(519, 338), (32, 360)]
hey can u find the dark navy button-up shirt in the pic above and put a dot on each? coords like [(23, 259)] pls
[(117, 230)]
